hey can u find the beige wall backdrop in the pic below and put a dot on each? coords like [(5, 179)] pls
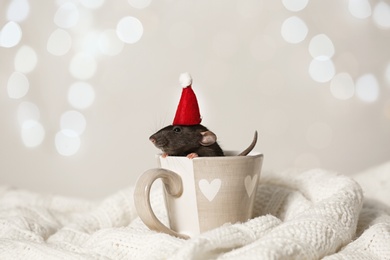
[(84, 83)]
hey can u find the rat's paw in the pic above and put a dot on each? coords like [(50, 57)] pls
[(164, 155), (192, 155)]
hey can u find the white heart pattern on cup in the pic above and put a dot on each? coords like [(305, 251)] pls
[(250, 184), (210, 189)]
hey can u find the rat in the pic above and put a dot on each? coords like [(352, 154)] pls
[(191, 141)]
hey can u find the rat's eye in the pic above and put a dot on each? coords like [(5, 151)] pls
[(176, 129)]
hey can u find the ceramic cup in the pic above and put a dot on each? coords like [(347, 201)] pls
[(201, 193)]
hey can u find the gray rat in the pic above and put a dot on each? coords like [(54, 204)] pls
[(191, 141)]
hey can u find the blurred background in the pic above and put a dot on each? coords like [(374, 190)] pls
[(84, 83)]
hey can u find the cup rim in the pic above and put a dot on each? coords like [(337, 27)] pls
[(229, 154)]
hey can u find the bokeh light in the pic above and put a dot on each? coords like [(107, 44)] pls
[(28, 111), (67, 142), (18, 85), (359, 8), (25, 59), (67, 15), (129, 29), (295, 5), (294, 30), (18, 10), (89, 43), (321, 47), (32, 133), (342, 86), (74, 121), (86, 22), (139, 4), (92, 4), (109, 43), (82, 66), (322, 70), (367, 88), (10, 35), (319, 135), (81, 95), (59, 42), (381, 15)]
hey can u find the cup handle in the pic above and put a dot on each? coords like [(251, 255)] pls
[(173, 185)]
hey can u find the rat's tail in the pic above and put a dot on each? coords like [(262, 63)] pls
[(251, 146)]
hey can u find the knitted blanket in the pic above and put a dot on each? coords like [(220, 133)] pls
[(309, 215)]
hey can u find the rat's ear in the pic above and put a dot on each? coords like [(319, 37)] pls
[(208, 138)]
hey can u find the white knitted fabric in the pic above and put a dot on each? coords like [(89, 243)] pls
[(311, 215)]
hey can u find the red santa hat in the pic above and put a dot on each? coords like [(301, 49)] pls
[(187, 112)]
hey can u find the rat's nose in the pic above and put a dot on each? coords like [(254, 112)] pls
[(152, 140)]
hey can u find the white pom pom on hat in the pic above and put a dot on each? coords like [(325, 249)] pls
[(185, 79)]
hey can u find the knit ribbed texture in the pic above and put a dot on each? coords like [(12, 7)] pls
[(311, 215)]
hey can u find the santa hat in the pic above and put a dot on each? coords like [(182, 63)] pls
[(187, 112)]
